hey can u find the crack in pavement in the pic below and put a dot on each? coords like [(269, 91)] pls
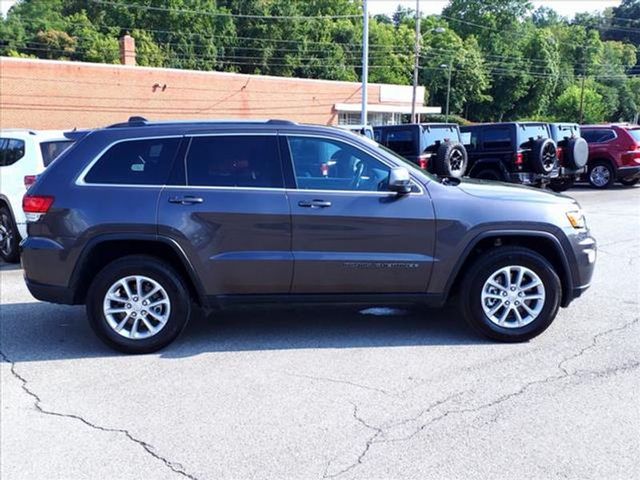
[(501, 399), (37, 403), (344, 382)]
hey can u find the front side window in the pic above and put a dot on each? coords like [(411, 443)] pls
[(234, 161), (135, 162), (325, 164), (11, 150)]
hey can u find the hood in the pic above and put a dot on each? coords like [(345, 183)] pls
[(511, 192)]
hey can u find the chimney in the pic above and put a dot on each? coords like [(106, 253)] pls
[(127, 50)]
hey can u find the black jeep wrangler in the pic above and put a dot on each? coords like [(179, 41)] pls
[(516, 152), (435, 147)]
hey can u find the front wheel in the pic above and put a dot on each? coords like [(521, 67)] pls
[(138, 304), (511, 294)]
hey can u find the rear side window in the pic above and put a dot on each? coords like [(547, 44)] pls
[(135, 162), (234, 161), (494, 138), (432, 135), (51, 150), (402, 141), (598, 135), (11, 150)]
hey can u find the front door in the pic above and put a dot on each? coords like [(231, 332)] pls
[(229, 212), (350, 234)]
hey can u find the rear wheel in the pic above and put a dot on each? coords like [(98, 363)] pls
[(629, 182), (9, 237), (601, 175), (138, 304), (512, 294)]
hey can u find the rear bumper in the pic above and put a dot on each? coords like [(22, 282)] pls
[(50, 293)]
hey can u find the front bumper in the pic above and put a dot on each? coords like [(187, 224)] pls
[(582, 266)]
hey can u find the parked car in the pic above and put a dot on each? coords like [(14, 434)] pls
[(614, 154), (23, 155), (572, 153), (435, 147), (365, 130), (517, 152), (140, 220)]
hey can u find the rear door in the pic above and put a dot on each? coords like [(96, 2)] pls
[(227, 208), (350, 234)]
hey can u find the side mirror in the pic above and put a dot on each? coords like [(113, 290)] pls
[(400, 180)]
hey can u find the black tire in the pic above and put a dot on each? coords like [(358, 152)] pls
[(561, 185), (489, 174), (9, 237), (576, 152), (451, 160), (629, 182), (543, 155), (601, 175), (482, 270), (156, 270)]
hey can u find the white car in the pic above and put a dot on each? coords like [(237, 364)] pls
[(23, 155)]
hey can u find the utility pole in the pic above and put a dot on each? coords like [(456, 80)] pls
[(582, 99), (365, 61), (416, 65), (449, 67)]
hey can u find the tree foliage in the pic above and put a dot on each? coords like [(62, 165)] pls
[(506, 59)]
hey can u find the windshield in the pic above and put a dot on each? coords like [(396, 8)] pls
[(51, 150), (528, 131), (635, 134)]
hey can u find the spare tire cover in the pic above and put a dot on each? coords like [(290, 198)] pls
[(577, 152)]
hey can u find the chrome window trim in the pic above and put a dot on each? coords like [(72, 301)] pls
[(80, 179)]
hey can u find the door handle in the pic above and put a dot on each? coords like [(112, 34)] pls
[(186, 200), (314, 203)]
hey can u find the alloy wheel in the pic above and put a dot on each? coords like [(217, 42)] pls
[(7, 235), (548, 157), (600, 175), (513, 296), (136, 307), (456, 160)]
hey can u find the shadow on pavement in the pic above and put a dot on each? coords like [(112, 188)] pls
[(39, 331)]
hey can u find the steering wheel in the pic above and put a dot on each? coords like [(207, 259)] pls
[(357, 178)]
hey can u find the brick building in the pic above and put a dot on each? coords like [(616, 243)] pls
[(48, 94)]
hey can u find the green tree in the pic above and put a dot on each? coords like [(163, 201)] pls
[(567, 106)]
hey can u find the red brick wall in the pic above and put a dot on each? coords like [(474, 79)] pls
[(43, 94)]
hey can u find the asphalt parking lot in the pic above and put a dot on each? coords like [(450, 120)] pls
[(334, 393)]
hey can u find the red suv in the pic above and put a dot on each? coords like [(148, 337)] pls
[(614, 154)]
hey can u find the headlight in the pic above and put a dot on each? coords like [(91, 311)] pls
[(576, 219)]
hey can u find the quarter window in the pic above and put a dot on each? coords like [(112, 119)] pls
[(135, 162), (11, 150), (52, 150), (324, 164), (234, 161)]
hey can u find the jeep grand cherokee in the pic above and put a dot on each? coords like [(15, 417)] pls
[(140, 220)]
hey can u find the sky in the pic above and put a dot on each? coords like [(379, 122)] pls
[(564, 7)]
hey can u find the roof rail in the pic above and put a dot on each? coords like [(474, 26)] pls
[(134, 121), (276, 121)]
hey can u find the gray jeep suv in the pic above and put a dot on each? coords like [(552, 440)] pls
[(140, 220)]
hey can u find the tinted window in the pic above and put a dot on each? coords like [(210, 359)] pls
[(598, 135), (11, 150), (135, 162), (532, 130), (402, 141), (431, 135), (51, 150), (496, 138), (234, 161), (324, 164), (560, 132)]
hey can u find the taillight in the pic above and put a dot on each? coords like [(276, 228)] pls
[(29, 180), (560, 154), (35, 206), (518, 158), (423, 161)]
